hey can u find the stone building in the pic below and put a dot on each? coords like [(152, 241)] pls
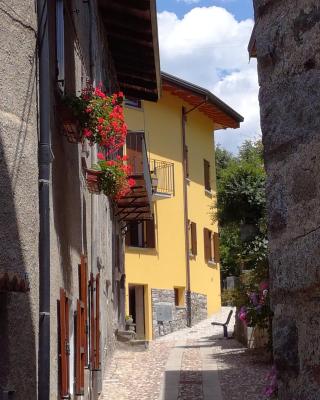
[(286, 42), (61, 248)]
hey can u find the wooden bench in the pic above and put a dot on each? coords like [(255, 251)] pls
[(224, 325)]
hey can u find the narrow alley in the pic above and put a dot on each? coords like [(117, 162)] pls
[(192, 364)]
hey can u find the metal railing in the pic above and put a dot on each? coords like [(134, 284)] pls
[(162, 173)]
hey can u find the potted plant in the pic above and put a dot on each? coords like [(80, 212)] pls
[(129, 320), (110, 177), (99, 118)]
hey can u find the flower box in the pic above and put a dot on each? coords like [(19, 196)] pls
[(93, 181), (69, 124)]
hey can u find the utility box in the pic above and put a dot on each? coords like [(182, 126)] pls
[(164, 312)]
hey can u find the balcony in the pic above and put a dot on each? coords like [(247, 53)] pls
[(162, 173), (136, 206), (154, 181)]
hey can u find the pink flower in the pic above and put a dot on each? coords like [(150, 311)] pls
[(100, 156)]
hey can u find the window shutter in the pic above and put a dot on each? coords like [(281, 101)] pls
[(207, 244), (216, 247), (92, 323), (97, 352), (193, 227), (64, 343), (206, 166), (80, 348), (150, 233), (83, 295)]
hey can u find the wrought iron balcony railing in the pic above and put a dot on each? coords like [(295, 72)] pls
[(162, 174)]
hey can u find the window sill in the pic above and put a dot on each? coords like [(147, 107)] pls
[(188, 180), (139, 248), (212, 263), (133, 107), (208, 193), (192, 256)]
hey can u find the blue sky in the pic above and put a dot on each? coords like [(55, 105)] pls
[(241, 9), (205, 42)]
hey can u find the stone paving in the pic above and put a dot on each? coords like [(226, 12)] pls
[(241, 373)]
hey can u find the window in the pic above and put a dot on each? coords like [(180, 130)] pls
[(141, 234), (60, 44), (207, 183), (192, 238), (131, 102), (179, 296), (211, 246)]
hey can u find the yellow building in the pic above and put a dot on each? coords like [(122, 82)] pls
[(172, 260)]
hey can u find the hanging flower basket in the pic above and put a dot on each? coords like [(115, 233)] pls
[(70, 126), (100, 118), (93, 181), (110, 177)]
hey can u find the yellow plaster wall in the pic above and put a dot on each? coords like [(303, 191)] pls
[(165, 266)]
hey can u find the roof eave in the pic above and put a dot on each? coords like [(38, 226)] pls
[(206, 95)]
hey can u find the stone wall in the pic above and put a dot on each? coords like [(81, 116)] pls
[(198, 307), (288, 44), (19, 227), (179, 313), (179, 321)]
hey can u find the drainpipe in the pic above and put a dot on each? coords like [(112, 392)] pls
[(186, 224), (185, 204), (44, 160)]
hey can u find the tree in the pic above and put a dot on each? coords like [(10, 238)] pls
[(241, 208)]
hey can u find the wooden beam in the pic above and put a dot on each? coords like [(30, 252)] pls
[(139, 93)]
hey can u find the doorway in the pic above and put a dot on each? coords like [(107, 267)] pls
[(136, 309)]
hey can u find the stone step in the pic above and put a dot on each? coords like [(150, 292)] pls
[(125, 336)]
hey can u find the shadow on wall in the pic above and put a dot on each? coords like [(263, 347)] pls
[(17, 332), (66, 194)]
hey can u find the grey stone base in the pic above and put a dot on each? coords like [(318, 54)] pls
[(199, 310), (179, 314)]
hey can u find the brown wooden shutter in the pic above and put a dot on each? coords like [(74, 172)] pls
[(97, 352), (92, 323), (64, 344), (193, 227), (83, 295), (206, 166), (216, 247), (207, 244), (150, 233), (80, 348), (187, 161)]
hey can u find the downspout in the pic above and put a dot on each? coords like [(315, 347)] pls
[(185, 204), (44, 160), (186, 224)]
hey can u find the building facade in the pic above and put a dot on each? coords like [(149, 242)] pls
[(62, 270), (172, 261), (286, 43)]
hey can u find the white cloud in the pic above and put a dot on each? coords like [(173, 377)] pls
[(208, 47)]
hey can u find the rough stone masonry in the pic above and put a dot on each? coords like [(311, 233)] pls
[(288, 52)]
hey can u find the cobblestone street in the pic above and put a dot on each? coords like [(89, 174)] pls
[(190, 364)]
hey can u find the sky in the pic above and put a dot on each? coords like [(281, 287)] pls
[(205, 42)]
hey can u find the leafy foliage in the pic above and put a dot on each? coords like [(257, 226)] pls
[(241, 206)]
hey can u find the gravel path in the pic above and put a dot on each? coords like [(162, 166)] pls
[(138, 375)]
